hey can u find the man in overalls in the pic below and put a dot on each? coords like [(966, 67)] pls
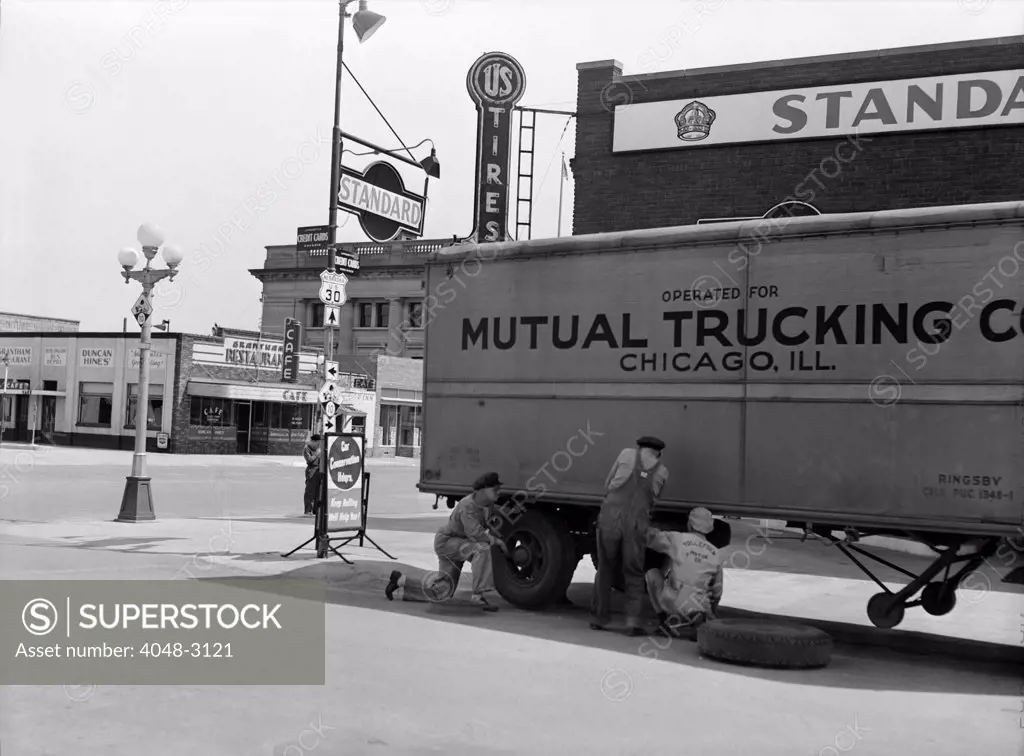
[(634, 483)]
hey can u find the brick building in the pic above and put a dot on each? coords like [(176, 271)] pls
[(384, 310), (397, 415), (842, 133)]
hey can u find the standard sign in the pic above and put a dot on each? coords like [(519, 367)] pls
[(964, 101), (332, 288), (379, 197), (496, 82)]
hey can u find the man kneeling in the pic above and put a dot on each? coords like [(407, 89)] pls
[(464, 538), (687, 592)]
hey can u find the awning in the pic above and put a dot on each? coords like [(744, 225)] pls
[(257, 392), (348, 409)]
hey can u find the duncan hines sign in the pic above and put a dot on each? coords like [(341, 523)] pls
[(963, 101)]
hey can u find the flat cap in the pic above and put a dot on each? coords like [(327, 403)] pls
[(487, 480), (701, 521), (650, 442)]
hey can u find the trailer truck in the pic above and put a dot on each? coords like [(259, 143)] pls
[(859, 374)]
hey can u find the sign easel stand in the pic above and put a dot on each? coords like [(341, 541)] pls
[(323, 541), (361, 534)]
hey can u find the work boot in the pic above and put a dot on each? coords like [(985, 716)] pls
[(482, 602), (393, 585)]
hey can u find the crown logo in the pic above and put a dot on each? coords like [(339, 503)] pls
[(693, 122)]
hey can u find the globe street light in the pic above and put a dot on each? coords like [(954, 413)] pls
[(137, 501)]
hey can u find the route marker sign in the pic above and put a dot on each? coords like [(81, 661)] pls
[(332, 288)]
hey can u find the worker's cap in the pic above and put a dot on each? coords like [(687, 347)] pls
[(315, 437), (701, 521), (650, 442), (487, 480)]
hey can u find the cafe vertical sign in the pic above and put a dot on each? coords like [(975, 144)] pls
[(292, 345), (496, 82)]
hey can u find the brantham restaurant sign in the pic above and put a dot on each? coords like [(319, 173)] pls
[(964, 101)]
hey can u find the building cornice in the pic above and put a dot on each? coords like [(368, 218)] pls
[(312, 274)]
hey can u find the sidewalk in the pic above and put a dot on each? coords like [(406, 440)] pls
[(25, 456), (253, 547)]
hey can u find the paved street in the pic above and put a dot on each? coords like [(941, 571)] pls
[(413, 679)]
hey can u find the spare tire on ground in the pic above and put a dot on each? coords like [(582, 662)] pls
[(765, 644)]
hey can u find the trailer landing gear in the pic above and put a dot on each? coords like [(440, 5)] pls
[(886, 609)]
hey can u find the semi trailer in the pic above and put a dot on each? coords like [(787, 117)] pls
[(860, 374)]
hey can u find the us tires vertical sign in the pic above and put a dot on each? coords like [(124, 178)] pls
[(496, 82)]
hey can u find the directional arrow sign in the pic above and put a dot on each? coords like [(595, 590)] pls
[(329, 424), (332, 370), (330, 409), (332, 315), (327, 392)]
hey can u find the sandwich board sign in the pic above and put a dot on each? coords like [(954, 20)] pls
[(345, 482)]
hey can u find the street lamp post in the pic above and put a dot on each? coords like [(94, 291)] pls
[(365, 23), (3, 400), (137, 501)]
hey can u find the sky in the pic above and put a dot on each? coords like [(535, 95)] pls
[(212, 119)]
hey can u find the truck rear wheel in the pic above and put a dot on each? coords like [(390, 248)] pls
[(535, 573)]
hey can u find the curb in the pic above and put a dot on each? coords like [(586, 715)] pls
[(903, 641)]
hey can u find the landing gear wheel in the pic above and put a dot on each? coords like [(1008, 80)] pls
[(885, 610), (938, 599), (765, 644)]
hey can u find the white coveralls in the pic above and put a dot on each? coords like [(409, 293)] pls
[(692, 586)]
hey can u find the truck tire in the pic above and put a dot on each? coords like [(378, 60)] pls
[(535, 574), (765, 644)]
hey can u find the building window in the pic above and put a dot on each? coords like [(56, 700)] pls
[(415, 314), (366, 314), (410, 423), (316, 315), (280, 416), (388, 424), (383, 311), (156, 406), (8, 402), (297, 416), (96, 404), (207, 410), (359, 425)]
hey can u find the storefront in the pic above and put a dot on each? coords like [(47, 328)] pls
[(400, 407), (234, 402), (206, 395), (253, 419), (856, 132), (81, 389)]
